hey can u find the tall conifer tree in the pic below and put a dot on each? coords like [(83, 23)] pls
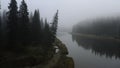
[(12, 21), (36, 26), (46, 32), (24, 22), (54, 25), (0, 26)]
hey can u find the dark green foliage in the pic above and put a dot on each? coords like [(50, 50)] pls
[(25, 36), (12, 22), (54, 25), (42, 24), (0, 27), (36, 27), (47, 33), (30, 17), (4, 25), (3, 32), (0, 19), (24, 24)]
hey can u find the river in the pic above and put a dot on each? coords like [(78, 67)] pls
[(91, 53)]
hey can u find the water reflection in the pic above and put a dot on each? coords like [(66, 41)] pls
[(101, 47)]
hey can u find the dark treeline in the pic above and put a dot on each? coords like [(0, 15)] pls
[(102, 27), (20, 29)]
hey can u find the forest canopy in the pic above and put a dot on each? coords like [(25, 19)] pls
[(101, 27), (26, 34)]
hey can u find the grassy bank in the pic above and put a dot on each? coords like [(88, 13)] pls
[(97, 37)]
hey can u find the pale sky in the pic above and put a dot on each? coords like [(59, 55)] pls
[(72, 11)]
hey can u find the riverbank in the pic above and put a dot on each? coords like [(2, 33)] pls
[(64, 61), (97, 37), (60, 59)]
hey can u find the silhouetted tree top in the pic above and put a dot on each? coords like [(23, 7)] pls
[(55, 23), (23, 12), (12, 13), (36, 26), (12, 20), (24, 22)]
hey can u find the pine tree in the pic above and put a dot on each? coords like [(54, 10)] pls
[(54, 25), (0, 17), (31, 22), (36, 27), (12, 22), (0, 27), (4, 25), (46, 32), (42, 23), (24, 22), (31, 17)]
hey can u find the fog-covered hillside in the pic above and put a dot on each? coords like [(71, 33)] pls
[(103, 27)]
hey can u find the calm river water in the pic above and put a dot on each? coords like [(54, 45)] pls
[(91, 53)]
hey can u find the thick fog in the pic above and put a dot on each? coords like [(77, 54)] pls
[(72, 11)]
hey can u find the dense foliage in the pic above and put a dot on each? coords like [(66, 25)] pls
[(21, 32)]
